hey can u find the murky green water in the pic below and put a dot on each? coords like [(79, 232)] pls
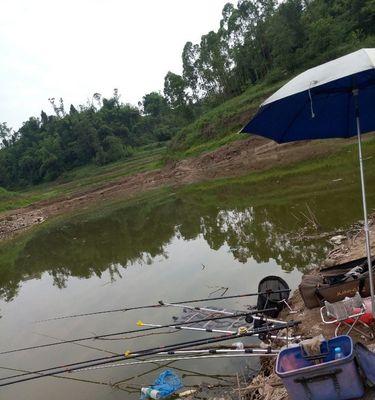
[(170, 246)]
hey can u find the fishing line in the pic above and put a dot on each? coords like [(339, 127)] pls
[(124, 309), (131, 355), (77, 344), (153, 369), (219, 377), (136, 336), (192, 354), (125, 332), (66, 377), (162, 360)]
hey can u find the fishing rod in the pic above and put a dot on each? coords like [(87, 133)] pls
[(157, 305), (159, 360), (191, 354), (130, 355), (188, 354), (229, 313), (241, 329), (189, 328), (250, 312)]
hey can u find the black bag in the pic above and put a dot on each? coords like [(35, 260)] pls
[(308, 289), (344, 267), (340, 272), (335, 283), (268, 299)]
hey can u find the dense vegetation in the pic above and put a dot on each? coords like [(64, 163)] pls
[(258, 42)]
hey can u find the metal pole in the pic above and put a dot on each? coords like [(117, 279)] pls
[(366, 228), (209, 330), (214, 310)]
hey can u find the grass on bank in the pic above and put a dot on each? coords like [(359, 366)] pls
[(220, 125), (336, 174), (212, 130), (313, 176), (209, 132), (84, 178)]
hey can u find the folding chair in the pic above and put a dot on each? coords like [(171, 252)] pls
[(347, 312)]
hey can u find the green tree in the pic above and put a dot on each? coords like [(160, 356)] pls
[(5, 133), (154, 104), (174, 90), (190, 56), (286, 34)]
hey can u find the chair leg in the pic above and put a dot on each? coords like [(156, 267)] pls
[(351, 325), (354, 328), (337, 328), (291, 311), (371, 334)]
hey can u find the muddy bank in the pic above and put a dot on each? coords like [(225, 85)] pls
[(266, 385), (235, 159)]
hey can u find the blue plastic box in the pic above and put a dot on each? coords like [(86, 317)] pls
[(328, 380)]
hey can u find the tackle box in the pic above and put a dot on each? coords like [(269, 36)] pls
[(321, 377)]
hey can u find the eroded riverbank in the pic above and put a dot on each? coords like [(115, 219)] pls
[(235, 159)]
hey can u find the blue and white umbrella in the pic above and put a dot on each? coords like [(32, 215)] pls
[(332, 100)]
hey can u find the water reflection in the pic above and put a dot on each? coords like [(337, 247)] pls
[(139, 232)]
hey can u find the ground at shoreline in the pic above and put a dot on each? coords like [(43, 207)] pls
[(267, 385), (238, 158)]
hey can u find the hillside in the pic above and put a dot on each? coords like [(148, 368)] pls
[(259, 45), (255, 158), (223, 122), (108, 149)]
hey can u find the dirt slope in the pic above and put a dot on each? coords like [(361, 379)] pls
[(234, 159)]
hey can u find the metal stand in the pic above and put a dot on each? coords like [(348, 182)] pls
[(366, 228)]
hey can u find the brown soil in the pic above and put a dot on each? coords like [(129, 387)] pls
[(350, 249), (234, 159), (267, 385)]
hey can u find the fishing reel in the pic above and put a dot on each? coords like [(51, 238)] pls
[(249, 318)]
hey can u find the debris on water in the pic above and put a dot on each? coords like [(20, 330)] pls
[(239, 345), (266, 385), (150, 393), (338, 239), (166, 384), (187, 393), (221, 288)]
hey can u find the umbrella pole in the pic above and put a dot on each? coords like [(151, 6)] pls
[(366, 228)]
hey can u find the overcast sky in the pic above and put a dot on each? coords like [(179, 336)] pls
[(74, 48)]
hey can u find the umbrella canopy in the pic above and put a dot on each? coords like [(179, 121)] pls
[(319, 103), (332, 100)]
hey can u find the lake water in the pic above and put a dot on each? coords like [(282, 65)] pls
[(169, 246)]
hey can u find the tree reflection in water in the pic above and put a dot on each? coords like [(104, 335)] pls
[(139, 232)]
